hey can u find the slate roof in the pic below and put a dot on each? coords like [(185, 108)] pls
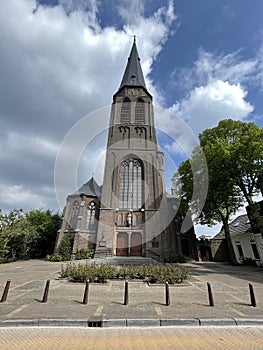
[(90, 188), (238, 226), (133, 75)]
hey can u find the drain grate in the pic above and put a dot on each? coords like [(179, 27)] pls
[(95, 322)]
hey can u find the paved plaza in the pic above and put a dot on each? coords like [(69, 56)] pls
[(189, 323), (188, 301)]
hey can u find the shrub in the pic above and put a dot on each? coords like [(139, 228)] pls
[(123, 272), (104, 272), (142, 271), (55, 257), (65, 248), (85, 253), (94, 273), (177, 258), (64, 252), (101, 273)]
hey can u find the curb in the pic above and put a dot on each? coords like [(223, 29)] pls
[(177, 322)]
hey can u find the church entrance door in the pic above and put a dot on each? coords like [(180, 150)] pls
[(122, 244), (136, 244)]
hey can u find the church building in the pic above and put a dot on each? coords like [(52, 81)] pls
[(130, 214)]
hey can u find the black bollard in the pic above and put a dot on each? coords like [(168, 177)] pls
[(167, 294), (6, 290), (126, 293), (45, 296), (86, 293), (210, 295), (252, 295)]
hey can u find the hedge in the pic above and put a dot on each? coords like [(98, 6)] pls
[(101, 273)]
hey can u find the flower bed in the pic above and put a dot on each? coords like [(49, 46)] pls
[(101, 273)]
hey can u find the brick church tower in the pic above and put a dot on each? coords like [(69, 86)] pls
[(133, 202), (130, 214)]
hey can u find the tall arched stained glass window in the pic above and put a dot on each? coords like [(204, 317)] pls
[(74, 215), (131, 184), (140, 112), (125, 111), (90, 222)]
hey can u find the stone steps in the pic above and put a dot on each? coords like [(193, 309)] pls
[(122, 260)]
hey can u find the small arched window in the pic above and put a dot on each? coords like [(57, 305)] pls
[(90, 222), (131, 184), (140, 112), (74, 215), (125, 111)]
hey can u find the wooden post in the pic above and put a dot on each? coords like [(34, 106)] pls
[(210, 295), (167, 294), (6, 290), (126, 293), (252, 295), (86, 293), (45, 296)]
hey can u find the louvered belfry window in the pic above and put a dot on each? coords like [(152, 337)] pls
[(140, 112), (125, 111)]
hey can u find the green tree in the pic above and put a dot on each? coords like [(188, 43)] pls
[(234, 156), (241, 147), (242, 157), (222, 199), (16, 235), (44, 225), (27, 235)]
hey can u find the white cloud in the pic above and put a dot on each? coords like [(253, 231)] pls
[(203, 108), (207, 105), (260, 66), (216, 90), (57, 65), (210, 66), (20, 198)]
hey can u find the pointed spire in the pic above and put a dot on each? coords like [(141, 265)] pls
[(133, 75)]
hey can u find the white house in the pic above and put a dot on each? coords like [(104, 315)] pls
[(247, 245)]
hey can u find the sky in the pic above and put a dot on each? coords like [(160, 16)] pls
[(61, 61)]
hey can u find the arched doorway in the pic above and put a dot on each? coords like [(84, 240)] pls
[(122, 244), (136, 244)]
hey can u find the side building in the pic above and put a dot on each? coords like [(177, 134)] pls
[(247, 245)]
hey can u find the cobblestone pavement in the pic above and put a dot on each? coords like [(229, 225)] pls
[(188, 300), (190, 338)]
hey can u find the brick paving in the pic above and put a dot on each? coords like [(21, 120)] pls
[(180, 338)]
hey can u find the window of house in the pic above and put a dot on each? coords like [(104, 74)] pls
[(125, 111), (240, 251), (90, 222), (140, 112), (74, 215), (130, 193), (155, 244), (255, 250)]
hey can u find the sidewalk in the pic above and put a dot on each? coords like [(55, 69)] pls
[(189, 301)]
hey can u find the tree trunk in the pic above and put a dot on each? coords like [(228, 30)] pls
[(247, 195), (231, 253)]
